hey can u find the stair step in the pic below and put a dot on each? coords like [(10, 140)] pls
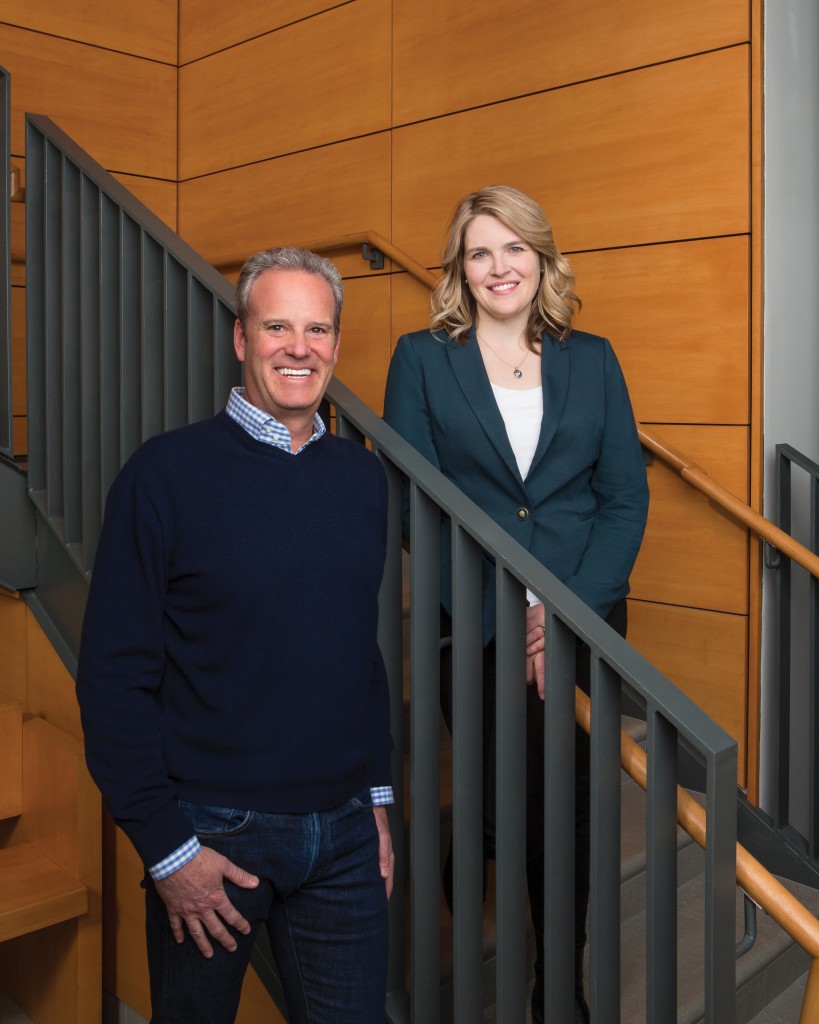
[(770, 966), (787, 1006), (633, 851), (36, 892)]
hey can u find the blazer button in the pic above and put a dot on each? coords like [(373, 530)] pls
[(523, 513)]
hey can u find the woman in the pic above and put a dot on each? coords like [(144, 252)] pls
[(532, 420)]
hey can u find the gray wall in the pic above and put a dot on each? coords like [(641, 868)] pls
[(791, 295)]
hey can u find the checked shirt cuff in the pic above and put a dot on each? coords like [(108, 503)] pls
[(174, 861)]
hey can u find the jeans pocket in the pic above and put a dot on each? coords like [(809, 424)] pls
[(216, 821)]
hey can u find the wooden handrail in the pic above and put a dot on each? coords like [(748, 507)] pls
[(756, 880), (697, 478), (689, 471), (415, 269)]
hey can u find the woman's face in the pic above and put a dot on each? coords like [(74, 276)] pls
[(502, 271)]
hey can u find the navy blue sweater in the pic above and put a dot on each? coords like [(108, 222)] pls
[(229, 651)]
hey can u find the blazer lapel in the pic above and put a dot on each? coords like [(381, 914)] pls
[(467, 365), (555, 368)]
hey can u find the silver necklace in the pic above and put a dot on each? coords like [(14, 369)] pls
[(516, 370)]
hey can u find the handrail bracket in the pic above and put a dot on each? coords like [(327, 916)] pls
[(374, 256)]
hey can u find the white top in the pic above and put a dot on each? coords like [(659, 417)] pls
[(522, 412)]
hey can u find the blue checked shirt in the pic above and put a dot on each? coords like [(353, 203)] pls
[(267, 429)]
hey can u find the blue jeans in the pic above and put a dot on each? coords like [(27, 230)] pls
[(323, 900)]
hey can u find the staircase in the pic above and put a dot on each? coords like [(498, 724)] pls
[(50, 871), (771, 976)]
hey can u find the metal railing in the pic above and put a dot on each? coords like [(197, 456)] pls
[(616, 668), (6, 412), (796, 761), (128, 333)]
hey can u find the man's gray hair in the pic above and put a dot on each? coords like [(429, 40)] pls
[(287, 258)]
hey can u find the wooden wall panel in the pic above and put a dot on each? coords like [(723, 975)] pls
[(20, 436), (450, 55), (365, 338), (332, 190), (50, 690), (678, 317), (691, 554), (617, 162), (13, 612), (121, 109), (338, 64), (410, 306), (159, 196), (704, 654), (147, 29), (207, 27)]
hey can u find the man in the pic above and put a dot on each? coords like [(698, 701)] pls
[(233, 697)]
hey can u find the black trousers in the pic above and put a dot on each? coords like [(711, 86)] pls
[(618, 620)]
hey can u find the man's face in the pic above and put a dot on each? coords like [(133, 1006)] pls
[(288, 347)]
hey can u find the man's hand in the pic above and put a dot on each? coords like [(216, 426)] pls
[(195, 896), (386, 857), (535, 646)]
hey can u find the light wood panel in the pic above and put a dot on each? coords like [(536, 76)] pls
[(206, 26), (330, 191), (704, 654), (678, 317), (50, 691), (450, 55), (11, 757), (55, 973), (365, 338), (692, 554), (37, 893), (314, 82), (13, 613), (159, 196), (126, 969), (659, 154), (410, 306), (20, 435), (147, 29), (121, 109)]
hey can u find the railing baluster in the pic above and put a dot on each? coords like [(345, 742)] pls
[(558, 817), (425, 768), (604, 912), (467, 775), (510, 800), (720, 887), (661, 871)]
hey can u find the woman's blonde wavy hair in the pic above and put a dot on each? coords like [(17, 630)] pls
[(452, 306)]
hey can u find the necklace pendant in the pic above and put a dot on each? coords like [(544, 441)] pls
[(517, 372)]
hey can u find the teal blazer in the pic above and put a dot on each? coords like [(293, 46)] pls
[(582, 508)]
